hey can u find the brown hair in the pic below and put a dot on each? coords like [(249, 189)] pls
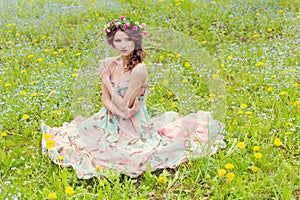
[(138, 54)]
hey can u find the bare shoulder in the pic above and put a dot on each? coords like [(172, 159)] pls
[(108, 60), (140, 69)]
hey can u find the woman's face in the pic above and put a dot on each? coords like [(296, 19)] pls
[(123, 44)]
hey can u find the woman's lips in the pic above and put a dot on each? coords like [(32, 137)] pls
[(123, 51)]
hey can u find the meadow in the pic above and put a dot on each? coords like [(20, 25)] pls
[(44, 45)]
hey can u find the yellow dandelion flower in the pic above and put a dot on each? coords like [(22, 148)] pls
[(26, 116), (241, 145), (270, 89), (257, 14), (47, 136), (33, 94), (23, 71), (50, 144), (229, 57), (273, 76), (152, 88), (52, 196), (22, 93), (53, 92), (229, 166), (281, 11), (269, 30), (173, 104), (185, 80), (97, 168), (46, 50), (60, 50), (78, 54), (40, 59), (258, 155), (215, 76), (3, 134), (69, 191), (283, 93), (165, 82), (0, 81), (272, 21), (7, 85), (161, 57), (243, 106), (168, 70), (8, 25), (30, 56), (62, 64), (256, 148), (163, 179), (222, 65), (61, 158), (256, 35), (248, 112), (255, 169), (204, 42), (222, 172), (292, 70), (207, 176), (295, 85), (190, 163), (240, 112), (162, 99), (289, 124), (296, 103), (74, 75), (170, 93), (230, 176), (277, 142), (259, 64), (187, 64), (33, 83), (55, 52), (289, 132)]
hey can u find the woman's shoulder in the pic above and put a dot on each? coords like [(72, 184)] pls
[(140, 68), (107, 61)]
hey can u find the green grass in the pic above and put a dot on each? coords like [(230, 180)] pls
[(256, 44)]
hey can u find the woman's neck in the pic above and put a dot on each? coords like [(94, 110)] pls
[(125, 59)]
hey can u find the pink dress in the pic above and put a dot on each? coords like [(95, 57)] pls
[(105, 143)]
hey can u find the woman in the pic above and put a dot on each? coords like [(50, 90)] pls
[(121, 137)]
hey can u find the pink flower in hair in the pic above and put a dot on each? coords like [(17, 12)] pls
[(117, 26), (115, 20), (134, 28), (144, 25), (137, 23), (110, 23), (107, 31), (126, 25), (145, 33), (121, 18)]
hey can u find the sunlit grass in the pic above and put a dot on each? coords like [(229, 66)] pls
[(42, 47)]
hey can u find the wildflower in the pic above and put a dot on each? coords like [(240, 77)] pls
[(241, 145), (22, 93), (187, 64), (161, 57), (26, 116), (52, 196), (61, 158), (283, 93), (168, 70), (230, 176), (3, 134), (190, 163), (173, 104), (40, 59), (270, 89), (240, 112), (74, 75), (255, 169), (78, 54), (255, 35), (295, 85), (281, 11), (33, 83), (269, 30), (7, 85), (69, 191), (165, 82), (162, 99), (229, 166), (292, 70), (185, 80), (23, 71), (229, 57), (163, 179), (30, 56), (277, 142), (53, 92), (289, 132), (258, 155), (273, 76), (215, 76), (62, 64), (222, 172), (248, 112), (289, 124), (259, 64), (222, 65), (50, 144), (60, 50), (207, 176), (256, 148), (97, 168), (296, 103), (243, 106), (47, 136), (33, 94)]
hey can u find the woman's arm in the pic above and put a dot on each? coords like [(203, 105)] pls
[(138, 77)]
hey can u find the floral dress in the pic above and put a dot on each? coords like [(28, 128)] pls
[(105, 143)]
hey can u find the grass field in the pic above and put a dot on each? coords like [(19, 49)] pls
[(44, 44)]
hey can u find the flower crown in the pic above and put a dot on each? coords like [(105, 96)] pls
[(125, 23)]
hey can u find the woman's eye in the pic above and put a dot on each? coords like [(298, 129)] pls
[(117, 40)]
